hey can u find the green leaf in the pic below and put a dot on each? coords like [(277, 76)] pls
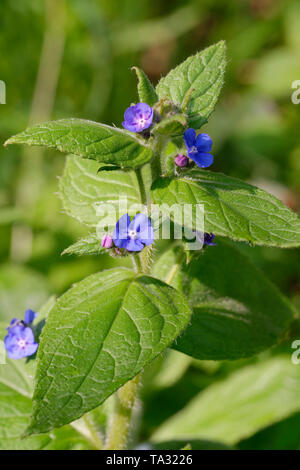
[(232, 208), (237, 407), (99, 335), (84, 191), (146, 90), (90, 245), (198, 80), (172, 126), (237, 311), (88, 139)]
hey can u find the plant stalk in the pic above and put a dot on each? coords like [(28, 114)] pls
[(117, 436)]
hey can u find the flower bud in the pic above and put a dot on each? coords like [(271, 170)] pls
[(107, 241), (181, 160)]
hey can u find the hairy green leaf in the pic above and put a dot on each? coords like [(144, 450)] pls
[(90, 245), (232, 208), (196, 83), (230, 410), (89, 196), (146, 90), (88, 139), (99, 335), (238, 312)]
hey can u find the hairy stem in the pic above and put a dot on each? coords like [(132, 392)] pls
[(137, 263), (94, 433), (117, 435)]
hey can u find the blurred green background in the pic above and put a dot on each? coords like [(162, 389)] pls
[(72, 58)]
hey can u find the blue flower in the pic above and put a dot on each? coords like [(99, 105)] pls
[(205, 238), (19, 342), (208, 239), (133, 235), (198, 148), (138, 117), (29, 316)]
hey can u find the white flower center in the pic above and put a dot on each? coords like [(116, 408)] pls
[(22, 343), (194, 149), (132, 234)]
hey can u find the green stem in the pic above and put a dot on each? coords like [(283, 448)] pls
[(94, 433), (175, 269), (118, 431), (137, 263), (158, 147), (143, 192)]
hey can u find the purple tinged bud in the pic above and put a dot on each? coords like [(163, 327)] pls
[(107, 241), (181, 160)]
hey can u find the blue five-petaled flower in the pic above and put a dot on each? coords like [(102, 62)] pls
[(19, 341), (138, 117), (198, 148), (133, 235)]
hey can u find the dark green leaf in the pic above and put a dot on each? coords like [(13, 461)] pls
[(237, 311)]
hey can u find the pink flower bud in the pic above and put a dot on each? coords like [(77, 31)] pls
[(181, 160), (107, 241)]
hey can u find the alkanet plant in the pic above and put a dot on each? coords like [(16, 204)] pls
[(102, 333)]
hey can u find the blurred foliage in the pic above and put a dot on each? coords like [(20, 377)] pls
[(69, 58)]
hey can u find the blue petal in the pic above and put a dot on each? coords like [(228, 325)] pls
[(189, 137), (147, 237), (203, 143), (28, 335), (130, 115), (121, 230), (142, 225), (29, 316), (134, 245), (30, 349), (139, 222), (144, 110), (131, 127), (203, 160), (121, 242)]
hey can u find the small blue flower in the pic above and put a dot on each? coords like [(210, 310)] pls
[(209, 238), (198, 148), (29, 316), (133, 235), (138, 117), (19, 342), (205, 238)]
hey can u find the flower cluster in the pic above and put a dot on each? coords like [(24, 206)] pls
[(19, 341), (140, 116)]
